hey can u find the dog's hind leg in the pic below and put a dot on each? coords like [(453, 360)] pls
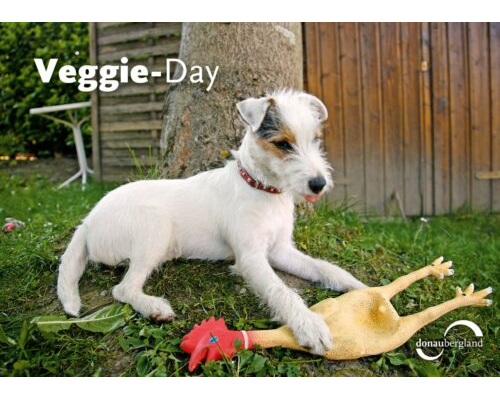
[(130, 290)]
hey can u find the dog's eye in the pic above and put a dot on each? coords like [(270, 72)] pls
[(283, 145)]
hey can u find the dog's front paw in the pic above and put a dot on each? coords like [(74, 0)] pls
[(336, 278), (344, 283), (312, 333), (354, 285), (158, 309)]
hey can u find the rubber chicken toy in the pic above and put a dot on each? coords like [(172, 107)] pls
[(362, 322)]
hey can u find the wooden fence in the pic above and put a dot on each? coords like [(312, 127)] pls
[(414, 111), (129, 117)]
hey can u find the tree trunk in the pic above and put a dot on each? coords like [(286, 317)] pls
[(199, 127)]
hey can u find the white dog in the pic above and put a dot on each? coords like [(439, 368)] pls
[(243, 211)]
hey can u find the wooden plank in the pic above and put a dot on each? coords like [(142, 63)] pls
[(332, 97), (116, 178), (127, 162), (411, 59), (125, 153), (143, 44), (166, 49), (392, 109), (94, 112), (426, 181), (372, 116), (312, 59), (159, 64), (121, 136), (135, 117), (494, 28), (459, 116), (117, 174), (352, 114), (480, 113), (106, 25), (107, 29), (132, 143), (488, 175), (441, 118), (131, 108), (137, 89), (130, 126), (164, 30), (114, 101)]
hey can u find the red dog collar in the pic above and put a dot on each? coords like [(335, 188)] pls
[(255, 183)]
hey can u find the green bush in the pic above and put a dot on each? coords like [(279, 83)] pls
[(21, 87)]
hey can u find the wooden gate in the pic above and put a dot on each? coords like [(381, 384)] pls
[(414, 112)]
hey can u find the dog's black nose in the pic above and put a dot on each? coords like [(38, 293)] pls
[(317, 184)]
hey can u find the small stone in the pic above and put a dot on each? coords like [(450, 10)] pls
[(243, 290), (104, 293)]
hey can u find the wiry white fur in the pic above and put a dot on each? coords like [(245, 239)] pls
[(216, 215)]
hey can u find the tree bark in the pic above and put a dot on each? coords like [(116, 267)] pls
[(200, 127)]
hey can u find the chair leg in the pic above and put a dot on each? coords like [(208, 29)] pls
[(68, 181)]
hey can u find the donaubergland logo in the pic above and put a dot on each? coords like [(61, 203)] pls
[(445, 343)]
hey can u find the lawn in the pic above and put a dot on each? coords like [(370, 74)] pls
[(374, 250)]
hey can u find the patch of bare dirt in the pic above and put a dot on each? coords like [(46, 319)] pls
[(54, 169)]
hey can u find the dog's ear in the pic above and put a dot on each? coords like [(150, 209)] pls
[(253, 111), (317, 106)]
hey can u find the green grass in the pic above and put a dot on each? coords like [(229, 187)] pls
[(376, 251)]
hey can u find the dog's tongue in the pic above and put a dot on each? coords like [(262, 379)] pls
[(311, 199)]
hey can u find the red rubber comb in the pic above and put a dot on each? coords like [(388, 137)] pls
[(211, 340)]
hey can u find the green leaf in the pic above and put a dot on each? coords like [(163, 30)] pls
[(396, 358), (475, 366), (135, 343), (237, 343), (413, 364), (124, 343), (142, 364), (245, 356), (21, 365), (52, 323), (428, 369), (23, 337), (260, 323), (257, 364), (104, 320), (5, 339)]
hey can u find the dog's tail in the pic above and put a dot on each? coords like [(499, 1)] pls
[(73, 263)]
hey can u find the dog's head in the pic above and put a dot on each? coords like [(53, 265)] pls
[(284, 142)]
